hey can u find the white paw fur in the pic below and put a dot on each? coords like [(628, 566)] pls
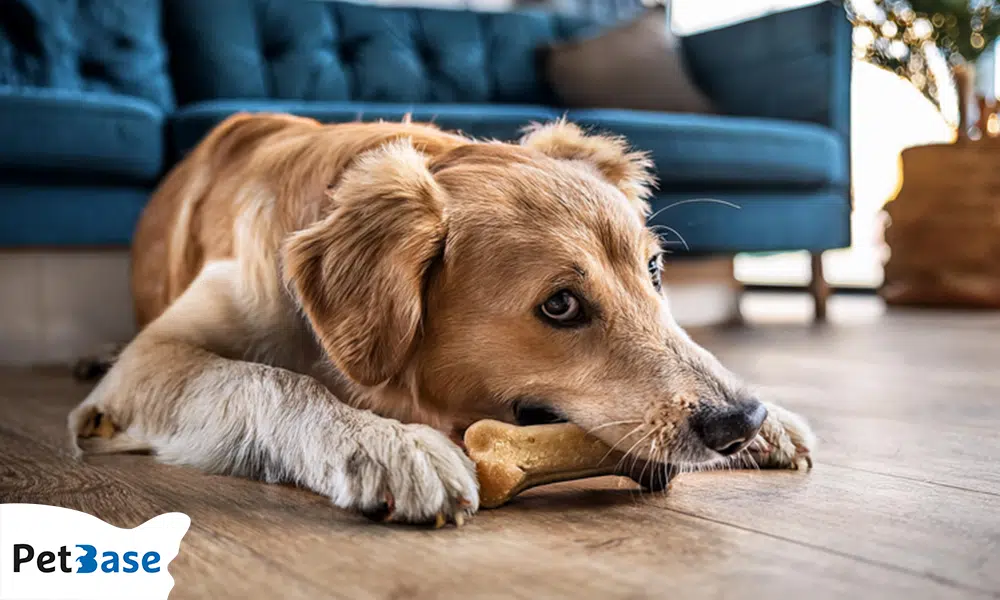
[(785, 440), (407, 473)]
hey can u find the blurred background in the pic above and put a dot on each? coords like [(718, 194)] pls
[(888, 114), (777, 127)]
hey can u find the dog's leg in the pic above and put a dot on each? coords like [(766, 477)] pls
[(173, 391)]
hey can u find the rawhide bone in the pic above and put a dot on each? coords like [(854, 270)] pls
[(510, 459)]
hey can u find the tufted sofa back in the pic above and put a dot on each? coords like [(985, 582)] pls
[(85, 45), (337, 51)]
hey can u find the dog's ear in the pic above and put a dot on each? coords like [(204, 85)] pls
[(359, 273), (626, 169)]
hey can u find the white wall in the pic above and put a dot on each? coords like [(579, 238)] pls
[(692, 16)]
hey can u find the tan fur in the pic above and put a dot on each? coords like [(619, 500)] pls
[(323, 304), (388, 205)]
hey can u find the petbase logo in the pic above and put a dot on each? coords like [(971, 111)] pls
[(51, 552)]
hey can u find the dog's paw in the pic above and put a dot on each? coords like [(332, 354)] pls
[(411, 474), (785, 441)]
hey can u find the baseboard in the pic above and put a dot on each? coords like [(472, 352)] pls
[(57, 306), (702, 291)]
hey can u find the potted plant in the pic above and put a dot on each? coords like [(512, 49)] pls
[(944, 225)]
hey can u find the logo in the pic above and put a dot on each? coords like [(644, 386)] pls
[(50, 552)]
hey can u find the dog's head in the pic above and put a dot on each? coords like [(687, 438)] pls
[(497, 274)]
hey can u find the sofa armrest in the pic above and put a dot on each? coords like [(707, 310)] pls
[(793, 65)]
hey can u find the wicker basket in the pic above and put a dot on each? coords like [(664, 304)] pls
[(944, 233)]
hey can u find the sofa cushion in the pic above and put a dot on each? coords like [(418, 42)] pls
[(706, 221), (48, 215), (110, 46), (490, 121), (715, 151), (89, 135), (34, 215), (336, 51)]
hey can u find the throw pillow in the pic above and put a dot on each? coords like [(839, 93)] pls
[(639, 65)]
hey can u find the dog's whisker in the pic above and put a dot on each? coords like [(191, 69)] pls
[(625, 458), (675, 232), (657, 472), (652, 451), (612, 449), (629, 452), (613, 423), (635, 461), (669, 471), (694, 201)]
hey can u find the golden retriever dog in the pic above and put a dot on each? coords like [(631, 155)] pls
[(327, 305)]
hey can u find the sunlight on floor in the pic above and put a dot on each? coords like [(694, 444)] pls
[(760, 308)]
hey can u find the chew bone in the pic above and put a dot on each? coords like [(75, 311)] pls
[(510, 459)]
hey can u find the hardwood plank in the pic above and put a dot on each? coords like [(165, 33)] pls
[(555, 542), (883, 398), (953, 456), (491, 551), (33, 473), (902, 502), (950, 535)]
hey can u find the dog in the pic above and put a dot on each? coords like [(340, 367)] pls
[(328, 305)]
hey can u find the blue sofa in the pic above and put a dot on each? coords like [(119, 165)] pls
[(98, 98)]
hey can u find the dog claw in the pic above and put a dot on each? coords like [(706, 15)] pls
[(384, 512), (760, 446), (380, 514)]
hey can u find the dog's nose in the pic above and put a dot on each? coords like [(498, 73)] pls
[(730, 428)]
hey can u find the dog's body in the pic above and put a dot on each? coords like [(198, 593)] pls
[(326, 304)]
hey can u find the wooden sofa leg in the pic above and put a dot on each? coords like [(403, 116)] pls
[(818, 287)]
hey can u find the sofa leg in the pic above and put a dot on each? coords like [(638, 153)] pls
[(736, 318), (818, 287)]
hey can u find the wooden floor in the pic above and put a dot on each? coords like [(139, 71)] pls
[(903, 502)]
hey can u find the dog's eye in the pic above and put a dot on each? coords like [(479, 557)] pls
[(562, 308), (656, 271)]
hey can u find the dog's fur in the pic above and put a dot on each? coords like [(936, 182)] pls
[(325, 304)]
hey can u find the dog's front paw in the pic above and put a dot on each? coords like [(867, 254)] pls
[(785, 441), (408, 473)]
